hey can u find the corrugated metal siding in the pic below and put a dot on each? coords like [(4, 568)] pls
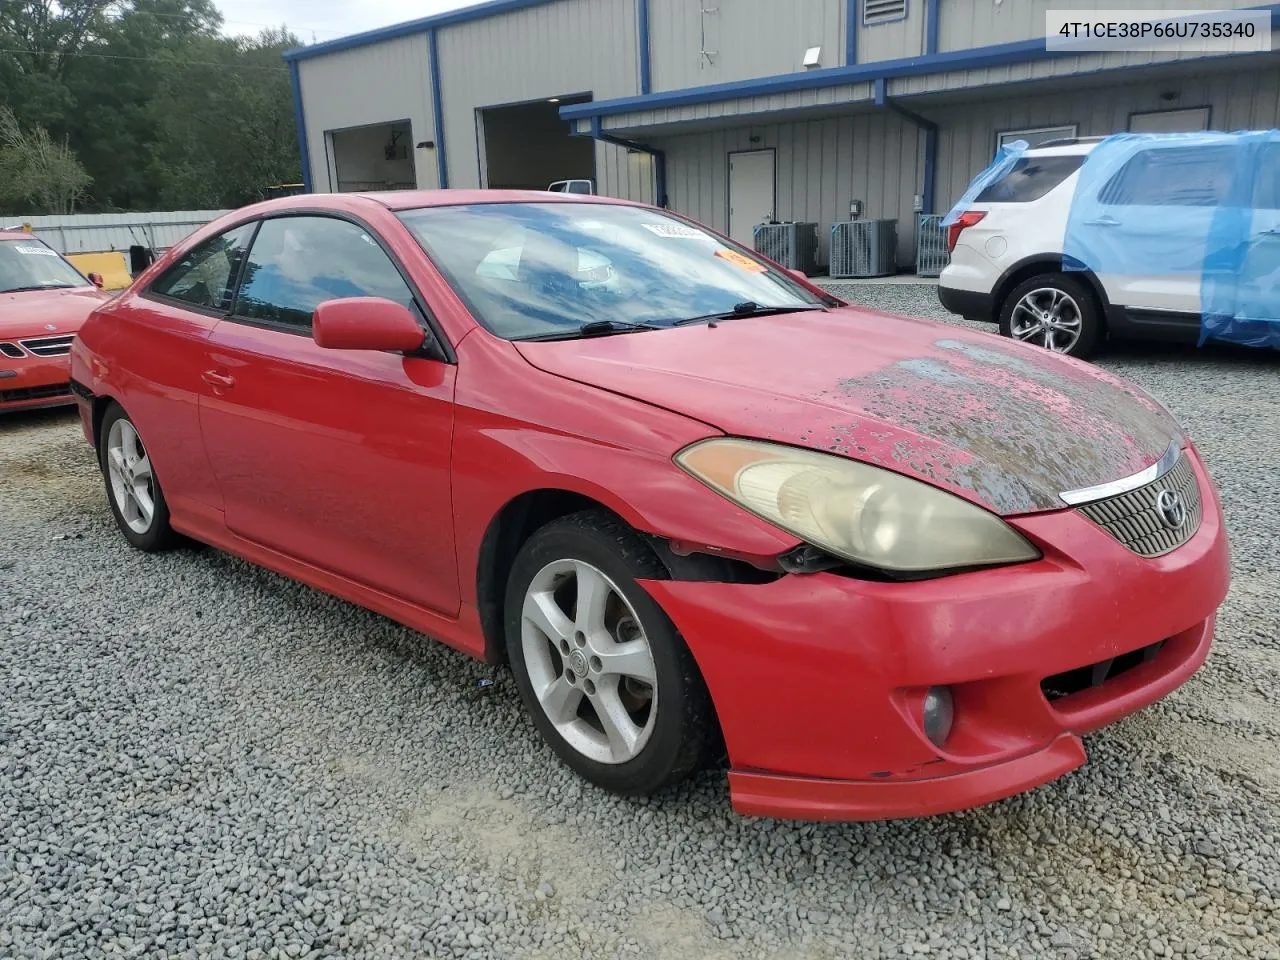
[(379, 83), (796, 100), (100, 232), (1057, 67), (901, 38), (821, 165), (749, 38), (575, 46), (967, 135), (628, 176), (964, 24)]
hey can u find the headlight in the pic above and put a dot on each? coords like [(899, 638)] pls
[(863, 514)]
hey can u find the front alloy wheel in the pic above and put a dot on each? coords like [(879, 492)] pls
[(605, 676)]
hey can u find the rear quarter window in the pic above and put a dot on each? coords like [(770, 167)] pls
[(1030, 179)]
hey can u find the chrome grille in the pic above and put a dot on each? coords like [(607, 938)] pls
[(50, 346), (1133, 519)]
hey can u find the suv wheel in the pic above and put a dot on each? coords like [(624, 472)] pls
[(1053, 311)]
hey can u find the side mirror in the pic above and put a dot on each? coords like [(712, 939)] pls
[(96, 280), (366, 323)]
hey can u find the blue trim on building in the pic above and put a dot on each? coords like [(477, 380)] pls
[(300, 121), (411, 27), (851, 34), (659, 159), (437, 113), (996, 55), (931, 27), (646, 64)]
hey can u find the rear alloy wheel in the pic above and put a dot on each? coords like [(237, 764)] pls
[(605, 676), (132, 488), (1055, 312)]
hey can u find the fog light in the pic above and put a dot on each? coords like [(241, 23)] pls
[(939, 712)]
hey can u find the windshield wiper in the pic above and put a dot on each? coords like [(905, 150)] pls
[(748, 308), (39, 286), (598, 328)]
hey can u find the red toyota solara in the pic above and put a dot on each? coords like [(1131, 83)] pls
[(43, 302), (896, 567)]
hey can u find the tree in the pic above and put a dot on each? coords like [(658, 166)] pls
[(37, 173), (162, 109)]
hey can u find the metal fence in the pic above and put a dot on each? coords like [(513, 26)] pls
[(102, 232)]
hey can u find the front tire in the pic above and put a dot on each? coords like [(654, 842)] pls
[(1056, 312), (605, 676), (133, 490)]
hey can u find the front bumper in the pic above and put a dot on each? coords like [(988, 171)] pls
[(817, 679), (34, 382)]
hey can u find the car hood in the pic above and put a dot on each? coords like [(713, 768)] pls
[(29, 313), (1000, 423)]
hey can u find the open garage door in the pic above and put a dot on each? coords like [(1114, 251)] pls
[(380, 156), (527, 146)]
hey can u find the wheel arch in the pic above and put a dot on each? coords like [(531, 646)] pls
[(1032, 266)]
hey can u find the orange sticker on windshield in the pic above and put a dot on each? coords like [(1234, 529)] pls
[(740, 261)]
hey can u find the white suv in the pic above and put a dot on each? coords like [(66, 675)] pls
[(1154, 212)]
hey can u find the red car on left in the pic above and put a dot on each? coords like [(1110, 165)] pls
[(43, 302)]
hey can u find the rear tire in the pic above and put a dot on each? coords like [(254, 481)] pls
[(1054, 311), (610, 685), (133, 490)]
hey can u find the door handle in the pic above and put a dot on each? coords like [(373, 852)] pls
[(1103, 222), (215, 379), (1273, 232)]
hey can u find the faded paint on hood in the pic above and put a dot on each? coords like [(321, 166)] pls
[(29, 313), (1000, 423)]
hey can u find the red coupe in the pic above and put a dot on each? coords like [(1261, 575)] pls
[(890, 566), (43, 302)]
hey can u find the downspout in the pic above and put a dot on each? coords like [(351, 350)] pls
[(300, 121), (437, 110), (851, 33), (646, 67), (930, 140), (659, 158)]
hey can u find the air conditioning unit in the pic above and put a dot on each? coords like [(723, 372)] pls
[(931, 246), (864, 248), (794, 245)]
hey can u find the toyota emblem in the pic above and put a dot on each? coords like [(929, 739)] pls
[(50, 327), (1173, 514)]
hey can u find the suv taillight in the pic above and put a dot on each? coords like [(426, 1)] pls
[(967, 219)]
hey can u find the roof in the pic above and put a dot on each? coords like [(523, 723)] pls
[(17, 235), (422, 25), (412, 199)]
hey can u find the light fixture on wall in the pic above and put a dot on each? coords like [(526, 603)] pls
[(813, 58), (754, 139), (1170, 95)]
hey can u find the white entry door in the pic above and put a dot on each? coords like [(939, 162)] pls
[(751, 192)]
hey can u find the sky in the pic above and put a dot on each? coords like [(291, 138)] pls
[(321, 20)]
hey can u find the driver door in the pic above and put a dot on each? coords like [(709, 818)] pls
[(337, 458)]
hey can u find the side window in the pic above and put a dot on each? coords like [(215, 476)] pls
[(1266, 184), (297, 263), (1174, 177), (206, 276), (1030, 179)]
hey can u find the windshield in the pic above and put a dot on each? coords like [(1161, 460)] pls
[(30, 265), (540, 269)]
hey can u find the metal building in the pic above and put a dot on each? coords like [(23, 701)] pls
[(740, 111)]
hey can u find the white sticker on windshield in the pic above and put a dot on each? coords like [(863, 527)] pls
[(675, 231), (36, 251)]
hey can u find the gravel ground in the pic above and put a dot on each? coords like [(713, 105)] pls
[(198, 758)]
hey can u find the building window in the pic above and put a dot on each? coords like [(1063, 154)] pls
[(883, 11), (1036, 135), (1170, 121)]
